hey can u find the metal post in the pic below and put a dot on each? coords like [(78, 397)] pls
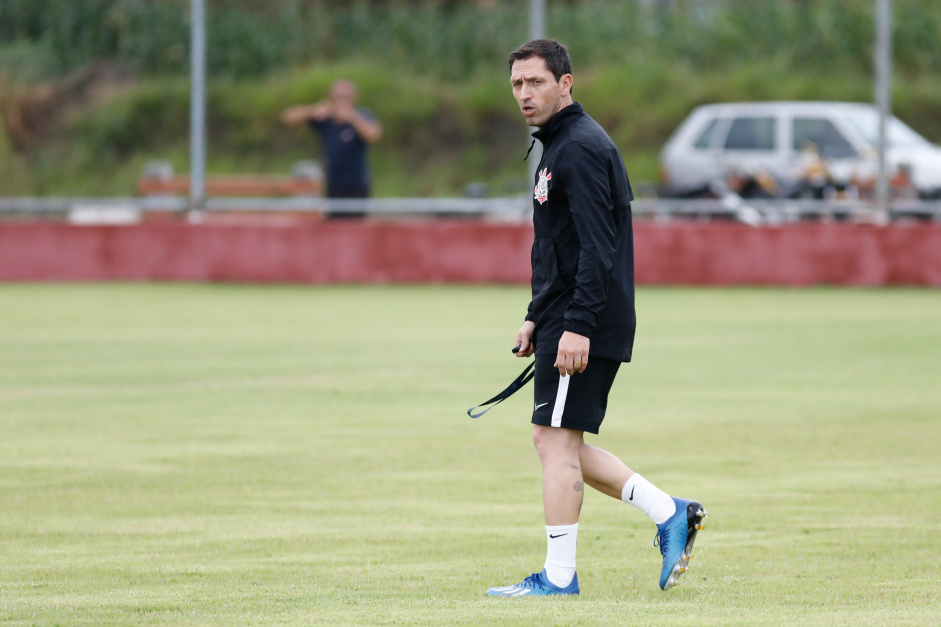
[(537, 19), (198, 108), (537, 30), (883, 62)]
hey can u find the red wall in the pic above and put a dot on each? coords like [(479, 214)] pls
[(458, 251), (799, 254)]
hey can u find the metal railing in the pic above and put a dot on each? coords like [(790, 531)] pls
[(756, 212)]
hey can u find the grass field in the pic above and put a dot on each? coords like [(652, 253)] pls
[(183, 454)]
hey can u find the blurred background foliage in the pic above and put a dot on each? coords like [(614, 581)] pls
[(91, 90)]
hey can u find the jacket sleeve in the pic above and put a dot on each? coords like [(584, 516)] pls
[(590, 202)]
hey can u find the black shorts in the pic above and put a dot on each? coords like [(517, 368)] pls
[(575, 402)]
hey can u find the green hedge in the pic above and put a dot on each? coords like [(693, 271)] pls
[(439, 136), (456, 39)]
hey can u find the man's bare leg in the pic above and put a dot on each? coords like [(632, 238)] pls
[(602, 470), (562, 483), (609, 475), (562, 492)]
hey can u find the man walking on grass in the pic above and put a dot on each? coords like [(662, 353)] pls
[(580, 324)]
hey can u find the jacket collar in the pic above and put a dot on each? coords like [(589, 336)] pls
[(557, 122)]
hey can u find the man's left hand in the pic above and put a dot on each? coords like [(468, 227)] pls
[(573, 353)]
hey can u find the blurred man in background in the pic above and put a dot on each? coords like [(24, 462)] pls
[(346, 132)]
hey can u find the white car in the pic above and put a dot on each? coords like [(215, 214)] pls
[(719, 140)]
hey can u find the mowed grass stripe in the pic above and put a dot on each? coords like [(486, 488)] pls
[(206, 454)]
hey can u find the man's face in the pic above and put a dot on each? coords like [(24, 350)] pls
[(343, 93), (538, 93)]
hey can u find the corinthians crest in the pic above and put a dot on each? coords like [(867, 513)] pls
[(542, 187)]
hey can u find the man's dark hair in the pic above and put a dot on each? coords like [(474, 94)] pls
[(552, 52)]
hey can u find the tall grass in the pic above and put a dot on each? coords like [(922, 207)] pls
[(439, 136), (459, 38)]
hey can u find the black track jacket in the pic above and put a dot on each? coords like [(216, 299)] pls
[(583, 254)]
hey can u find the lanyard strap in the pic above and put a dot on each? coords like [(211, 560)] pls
[(520, 381)]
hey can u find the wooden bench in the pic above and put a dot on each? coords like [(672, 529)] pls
[(306, 179)]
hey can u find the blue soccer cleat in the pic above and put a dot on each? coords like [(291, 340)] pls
[(676, 537), (536, 585)]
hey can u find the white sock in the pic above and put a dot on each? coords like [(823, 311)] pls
[(560, 556), (648, 498)]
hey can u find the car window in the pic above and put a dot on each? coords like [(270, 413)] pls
[(751, 134), (705, 138), (824, 135), (900, 135)]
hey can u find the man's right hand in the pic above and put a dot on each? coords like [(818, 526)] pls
[(344, 113), (301, 114), (320, 111), (523, 337)]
